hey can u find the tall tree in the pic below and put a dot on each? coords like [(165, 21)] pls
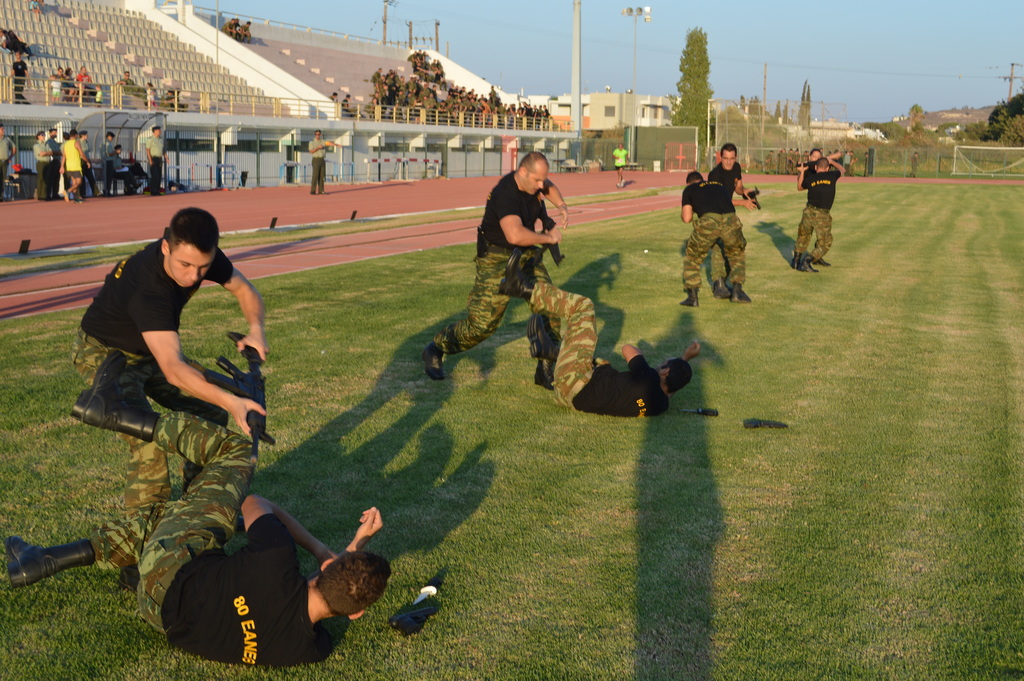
[(691, 106), (916, 116), (804, 117)]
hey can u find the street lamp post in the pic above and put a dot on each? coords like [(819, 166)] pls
[(636, 13)]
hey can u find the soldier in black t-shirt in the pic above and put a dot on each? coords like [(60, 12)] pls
[(590, 385), (252, 607), (820, 186), (514, 207), (715, 211), (728, 173), (137, 312)]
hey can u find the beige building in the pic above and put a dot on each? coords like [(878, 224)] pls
[(605, 110)]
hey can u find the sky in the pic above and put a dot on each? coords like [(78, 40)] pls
[(868, 60)]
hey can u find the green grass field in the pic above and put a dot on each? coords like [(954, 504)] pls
[(879, 537)]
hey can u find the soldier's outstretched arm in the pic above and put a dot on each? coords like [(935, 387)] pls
[(251, 303), (553, 194)]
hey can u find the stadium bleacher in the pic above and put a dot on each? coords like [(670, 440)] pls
[(109, 41)]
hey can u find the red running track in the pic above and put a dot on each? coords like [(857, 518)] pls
[(60, 225), (53, 226)]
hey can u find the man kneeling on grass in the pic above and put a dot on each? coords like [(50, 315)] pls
[(581, 382), (252, 607)]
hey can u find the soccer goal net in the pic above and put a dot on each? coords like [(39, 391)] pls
[(988, 161)]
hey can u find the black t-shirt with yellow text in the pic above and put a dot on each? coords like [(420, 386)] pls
[(138, 295), (250, 607)]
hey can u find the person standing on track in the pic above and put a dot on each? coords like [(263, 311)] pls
[(318, 160)]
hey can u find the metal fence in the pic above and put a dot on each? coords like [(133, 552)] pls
[(781, 124)]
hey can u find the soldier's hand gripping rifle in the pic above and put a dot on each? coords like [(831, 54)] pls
[(752, 195), (547, 224), (245, 384)]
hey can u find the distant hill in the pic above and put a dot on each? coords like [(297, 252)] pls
[(964, 115)]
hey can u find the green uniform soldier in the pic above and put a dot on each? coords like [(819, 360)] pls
[(728, 173), (52, 174), (514, 207), (156, 154), (41, 151), (252, 607), (820, 186), (7, 151), (587, 384), (318, 153), (715, 209), (137, 312)]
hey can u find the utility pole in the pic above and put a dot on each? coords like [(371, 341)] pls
[(1009, 96), (437, 35), (764, 101), (410, 34)]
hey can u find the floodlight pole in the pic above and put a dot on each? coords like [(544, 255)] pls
[(644, 12)]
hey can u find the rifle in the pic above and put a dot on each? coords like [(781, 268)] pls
[(245, 384), (547, 224), (752, 195)]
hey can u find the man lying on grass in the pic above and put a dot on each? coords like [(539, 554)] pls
[(581, 382), (252, 607)]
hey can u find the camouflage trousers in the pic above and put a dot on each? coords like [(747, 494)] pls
[(164, 536), (486, 306), (707, 229), (148, 480), (819, 221), (575, 363), (720, 266)]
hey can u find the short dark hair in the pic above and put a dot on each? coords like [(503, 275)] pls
[(155, 128), (530, 160), (815, 149), (40, 134), (72, 133), (117, 147), (110, 135), (694, 176), (822, 163), (196, 227), (729, 146), (353, 581), (679, 374)]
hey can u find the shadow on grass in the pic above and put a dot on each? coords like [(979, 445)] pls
[(783, 243), (679, 526), (396, 451)]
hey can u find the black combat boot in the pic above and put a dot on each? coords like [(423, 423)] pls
[(545, 374), (720, 289), (805, 264), (541, 345), (515, 284), (738, 296), (103, 404), (432, 356), (821, 262), (27, 564), (691, 298)]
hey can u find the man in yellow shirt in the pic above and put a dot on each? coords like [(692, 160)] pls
[(71, 164)]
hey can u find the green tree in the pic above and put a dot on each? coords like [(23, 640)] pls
[(691, 106), (916, 118), (804, 116), (1003, 125)]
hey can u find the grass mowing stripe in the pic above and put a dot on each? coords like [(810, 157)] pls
[(863, 542)]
